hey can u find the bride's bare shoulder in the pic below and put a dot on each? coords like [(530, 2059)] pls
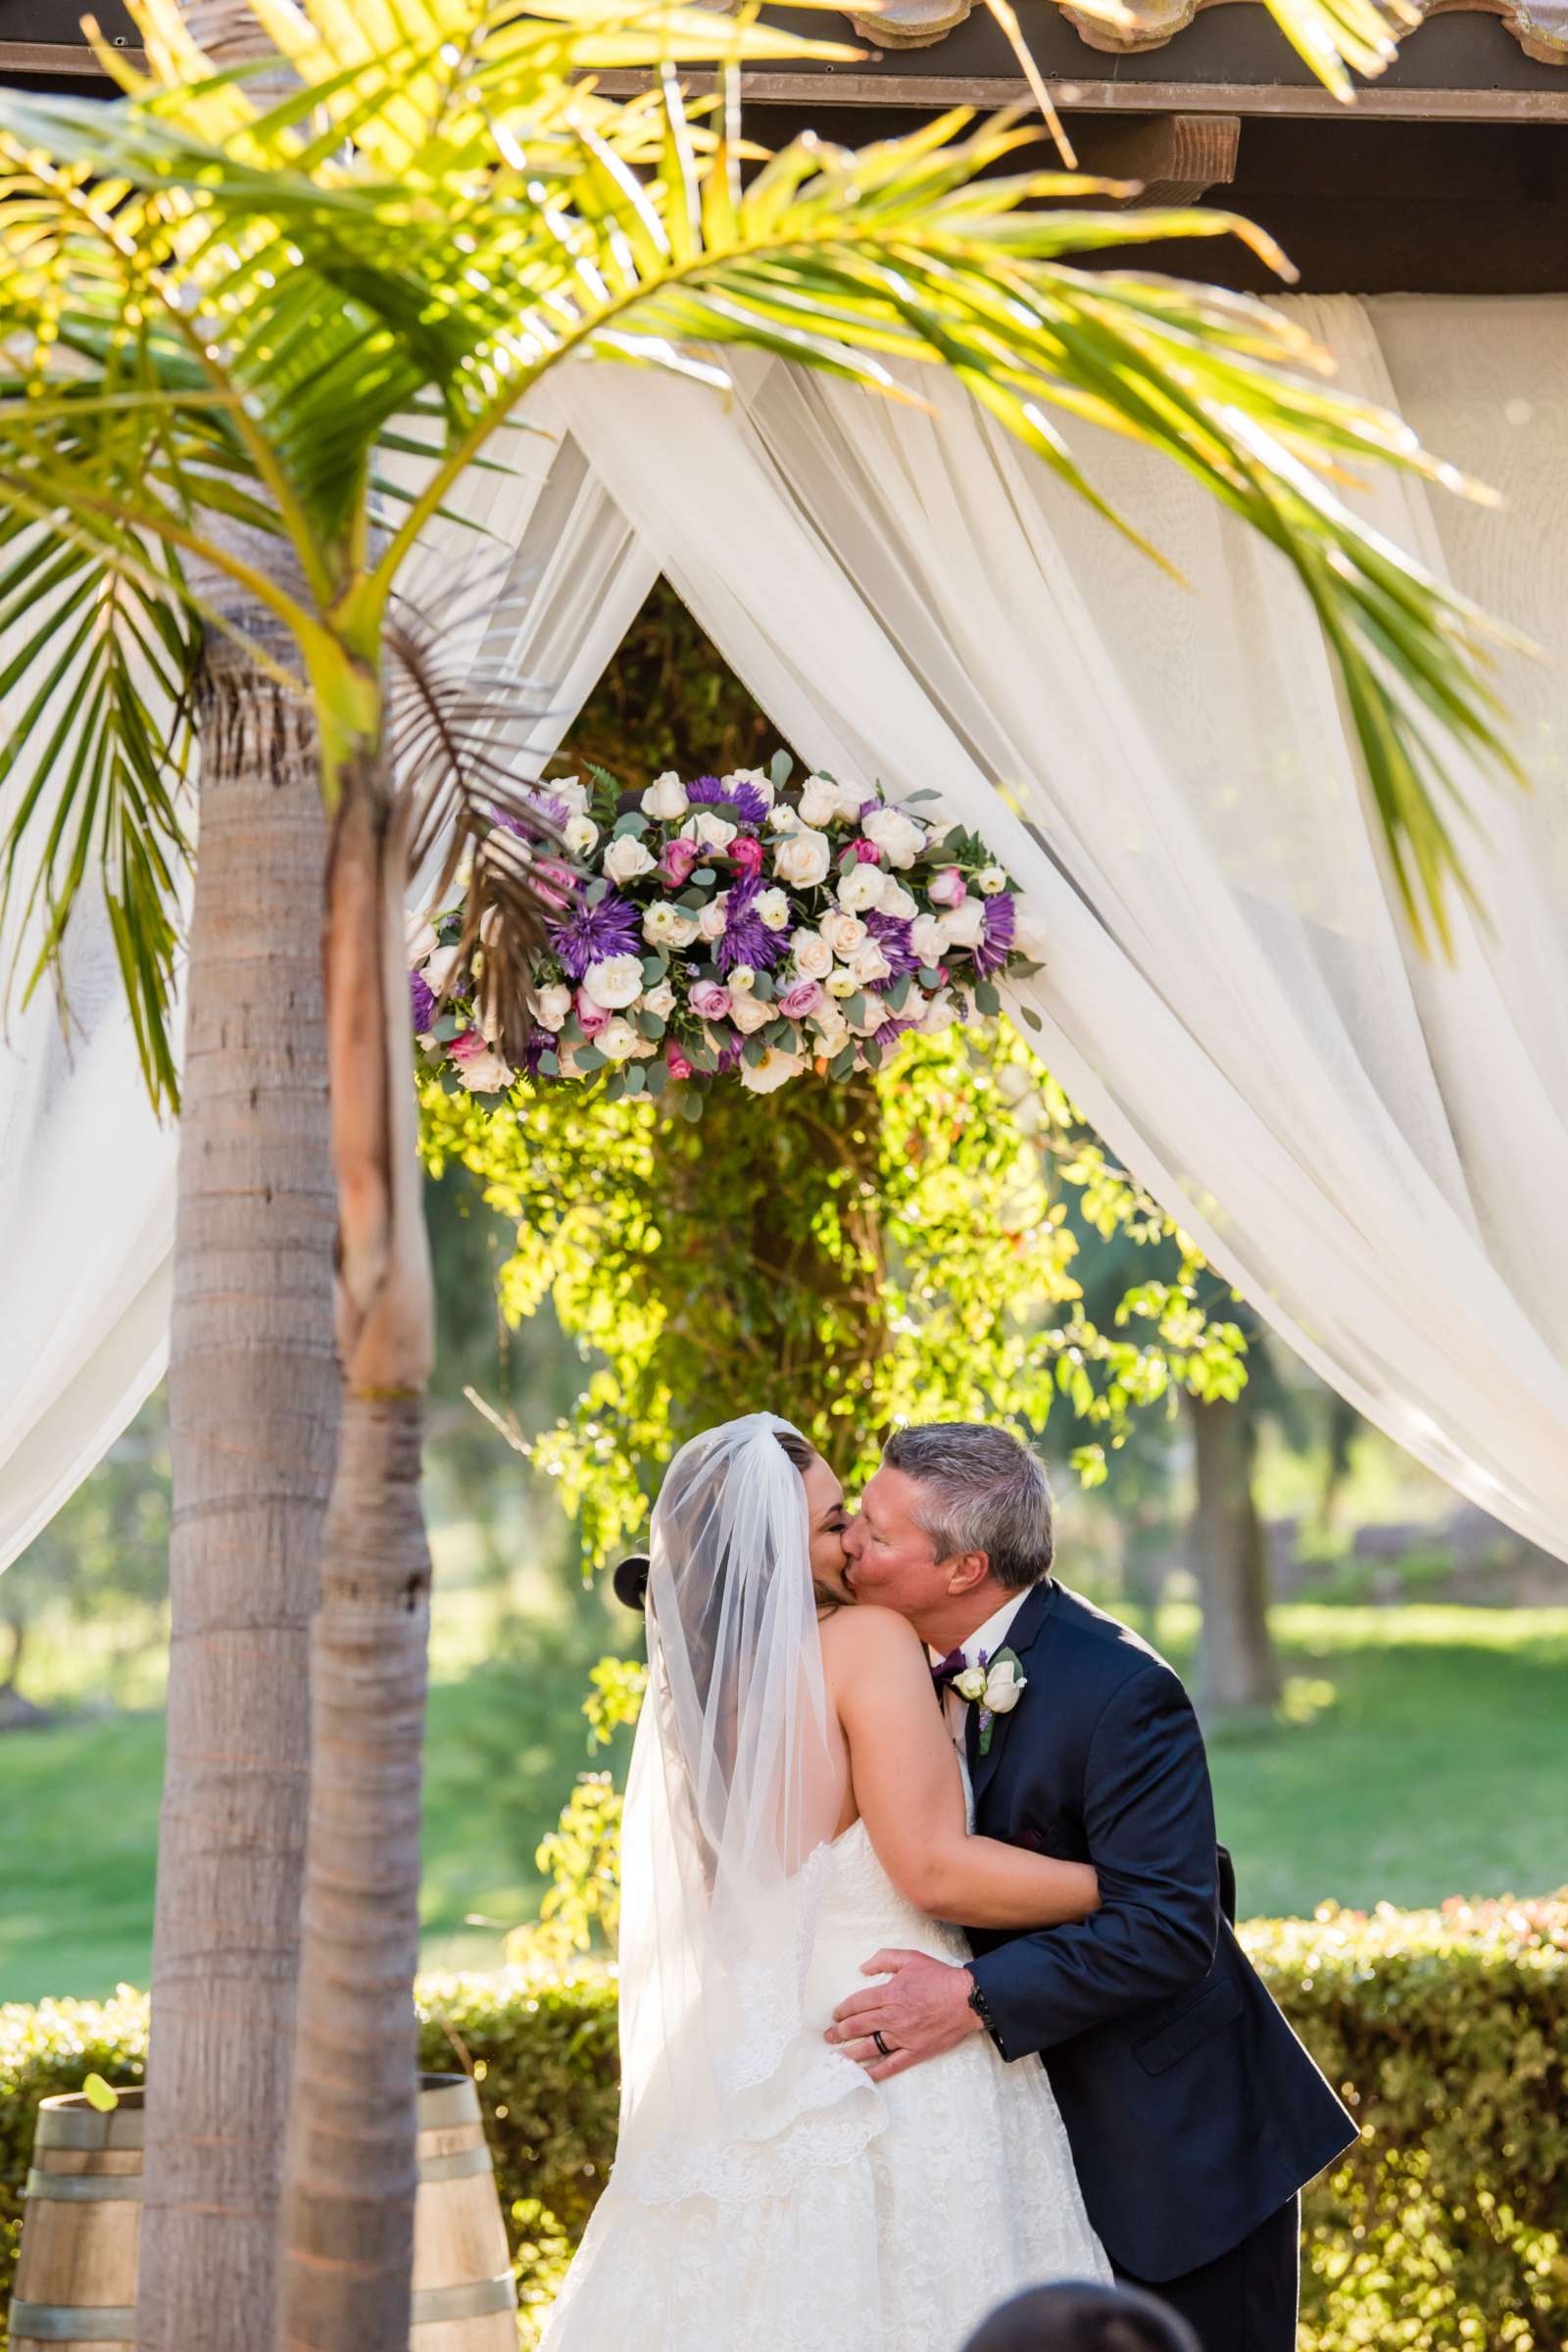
[(864, 1633)]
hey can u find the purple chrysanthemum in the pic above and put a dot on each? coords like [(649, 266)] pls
[(992, 951), (892, 936), (591, 933), (421, 1003), (746, 937), (891, 1031), (554, 811), (749, 804)]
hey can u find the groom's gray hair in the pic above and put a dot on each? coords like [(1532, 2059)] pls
[(984, 1493)]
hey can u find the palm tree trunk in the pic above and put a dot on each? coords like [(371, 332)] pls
[(347, 2214), (1236, 1667), (253, 1413), (253, 1422)]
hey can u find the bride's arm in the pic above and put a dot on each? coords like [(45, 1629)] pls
[(911, 1793)]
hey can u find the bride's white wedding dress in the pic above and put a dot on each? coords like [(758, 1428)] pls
[(845, 2216)]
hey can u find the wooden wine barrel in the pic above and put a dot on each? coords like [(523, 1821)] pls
[(76, 2265)]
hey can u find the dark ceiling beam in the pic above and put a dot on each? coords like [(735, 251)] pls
[(1176, 158)]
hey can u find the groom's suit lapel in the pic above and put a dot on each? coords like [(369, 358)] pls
[(1023, 1635)]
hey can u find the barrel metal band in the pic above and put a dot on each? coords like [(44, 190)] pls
[(459, 2166), (473, 2300), (74, 2323), (85, 2188), (86, 2127), (458, 2103)]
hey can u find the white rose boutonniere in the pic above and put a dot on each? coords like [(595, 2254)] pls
[(993, 1684)]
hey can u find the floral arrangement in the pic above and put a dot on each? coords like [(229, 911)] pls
[(727, 926)]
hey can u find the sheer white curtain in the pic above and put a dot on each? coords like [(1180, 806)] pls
[(86, 1172), (1371, 1145)]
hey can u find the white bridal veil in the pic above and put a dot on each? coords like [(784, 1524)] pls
[(737, 1782)]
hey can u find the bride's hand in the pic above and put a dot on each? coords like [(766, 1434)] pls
[(922, 2010)]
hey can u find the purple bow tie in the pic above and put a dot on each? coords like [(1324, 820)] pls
[(946, 1669)]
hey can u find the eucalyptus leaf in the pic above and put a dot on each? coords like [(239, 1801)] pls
[(589, 1060)]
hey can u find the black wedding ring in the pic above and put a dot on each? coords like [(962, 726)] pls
[(880, 2044)]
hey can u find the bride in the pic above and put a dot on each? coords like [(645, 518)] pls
[(795, 1802)]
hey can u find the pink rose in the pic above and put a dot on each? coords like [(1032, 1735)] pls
[(677, 860), (709, 1001), (593, 1017), (555, 884), (799, 1002), (676, 1063), (468, 1046), (867, 851), (949, 889), (745, 853)]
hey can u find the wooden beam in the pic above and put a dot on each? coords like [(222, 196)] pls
[(929, 94), (71, 58), (1177, 157)]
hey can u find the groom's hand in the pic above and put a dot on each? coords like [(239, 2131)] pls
[(922, 2010)]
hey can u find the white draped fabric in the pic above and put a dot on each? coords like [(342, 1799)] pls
[(1371, 1145)]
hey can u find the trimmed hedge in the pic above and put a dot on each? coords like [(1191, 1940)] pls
[(1447, 2227)]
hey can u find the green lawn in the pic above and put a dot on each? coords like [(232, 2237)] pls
[(1425, 1753)]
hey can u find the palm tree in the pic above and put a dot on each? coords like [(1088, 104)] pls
[(218, 307)]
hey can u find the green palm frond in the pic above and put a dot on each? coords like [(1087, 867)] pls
[(250, 301)]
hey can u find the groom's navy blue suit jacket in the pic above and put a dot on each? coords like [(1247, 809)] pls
[(1193, 2110)]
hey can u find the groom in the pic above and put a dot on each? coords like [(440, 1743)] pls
[(1195, 2113)]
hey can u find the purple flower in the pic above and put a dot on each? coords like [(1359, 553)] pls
[(749, 804), (992, 949), (746, 937), (591, 933), (892, 938), (539, 1042), (729, 1055), (421, 1002), (891, 1031), (554, 811)]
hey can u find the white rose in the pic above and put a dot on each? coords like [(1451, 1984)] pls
[(992, 880), (772, 908), (713, 832), (1005, 1687), (618, 1041), (852, 798), (581, 837), (803, 858), (899, 839), (814, 957), (870, 965), (971, 1682), (714, 917), (667, 925), (438, 969), (552, 1006), (844, 933), (940, 1013), (419, 938), (753, 776), (569, 791), (774, 1070), (840, 983), (784, 817), (820, 801), (665, 798), (660, 1000), (831, 1025), (928, 940), (614, 982), (741, 979), (962, 926), (626, 859), (859, 888), (485, 1073), (751, 1013), (873, 1016), (897, 901)]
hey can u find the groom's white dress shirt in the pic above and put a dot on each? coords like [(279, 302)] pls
[(990, 1638)]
